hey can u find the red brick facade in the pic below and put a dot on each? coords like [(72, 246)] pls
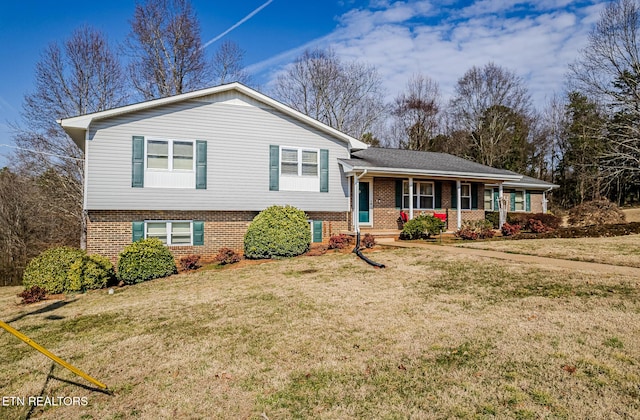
[(109, 231)]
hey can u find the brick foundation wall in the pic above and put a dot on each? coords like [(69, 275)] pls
[(536, 202), (109, 231)]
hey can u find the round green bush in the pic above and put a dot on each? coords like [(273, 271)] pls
[(145, 260), (421, 226), (277, 232), (90, 272), (50, 269)]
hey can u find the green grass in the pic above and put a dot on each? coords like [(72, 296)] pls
[(432, 336)]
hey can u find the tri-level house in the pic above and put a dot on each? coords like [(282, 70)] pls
[(194, 169)]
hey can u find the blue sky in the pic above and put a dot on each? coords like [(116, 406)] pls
[(441, 39)]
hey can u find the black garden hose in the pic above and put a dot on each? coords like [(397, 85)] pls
[(356, 250)]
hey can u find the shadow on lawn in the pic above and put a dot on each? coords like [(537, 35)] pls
[(48, 308)]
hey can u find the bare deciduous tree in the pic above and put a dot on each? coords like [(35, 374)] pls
[(493, 106), (344, 95), (80, 77), (608, 70), (227, 64), (165, 49), (416, 114)]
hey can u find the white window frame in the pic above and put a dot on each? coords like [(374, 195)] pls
[(417, 195), (484, 196), (300, 150), (170, 156), (169, 225), (462, 196), (524, 200)]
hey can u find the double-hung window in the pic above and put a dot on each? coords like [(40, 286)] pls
[(170, 155), (298, 162), (465, 196), (177, 232), (488, 199), (519, 204), (423, 195)]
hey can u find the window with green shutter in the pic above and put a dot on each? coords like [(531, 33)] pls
[(201, 165), (324, 170), (274, 168), (137, 162)]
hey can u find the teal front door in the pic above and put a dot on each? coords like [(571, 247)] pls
[(363, 202)]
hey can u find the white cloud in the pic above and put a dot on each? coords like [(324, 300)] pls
[(536, 40)]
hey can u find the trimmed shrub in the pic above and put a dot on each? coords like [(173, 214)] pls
[(90, 272), (144, 260), (50, 269), (421, 226), (510, 230), (550, 221), (597, 212), (479, 229), (340, 241), (368, 241), (190, 262), (278, 231), (227, 256), (536, 226), (32, 295)]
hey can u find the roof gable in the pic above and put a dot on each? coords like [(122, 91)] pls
[(76, 127)]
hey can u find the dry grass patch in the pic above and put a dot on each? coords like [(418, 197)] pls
[(433, 335), (618, 250), (632, 215)]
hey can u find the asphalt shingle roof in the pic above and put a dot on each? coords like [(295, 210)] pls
[(415, 160)]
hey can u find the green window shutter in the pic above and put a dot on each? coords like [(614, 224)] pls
[(198, 232), (274, 168), (454, 195), (324, 170), (496, 196), (513, 201), (474, 196), (138, 231), (317, 230), (201, 165), (398, 194), (527, 198), (438, 194), (137, 162)]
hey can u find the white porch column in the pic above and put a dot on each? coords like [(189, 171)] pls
[(459, 194), (410, 198), (544, 202), (356, 204), (501, 210)]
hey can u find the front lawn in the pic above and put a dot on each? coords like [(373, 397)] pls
[(432, 335), (619, 250)]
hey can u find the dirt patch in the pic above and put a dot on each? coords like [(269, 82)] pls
[(632, 215)]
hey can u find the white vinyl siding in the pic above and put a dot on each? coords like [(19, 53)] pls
[(176, 232), (238, 139), (299, 169)]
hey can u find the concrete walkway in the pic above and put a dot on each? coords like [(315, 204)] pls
[(530, 259)]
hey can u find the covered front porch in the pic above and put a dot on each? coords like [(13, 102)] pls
[(380, 200)]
